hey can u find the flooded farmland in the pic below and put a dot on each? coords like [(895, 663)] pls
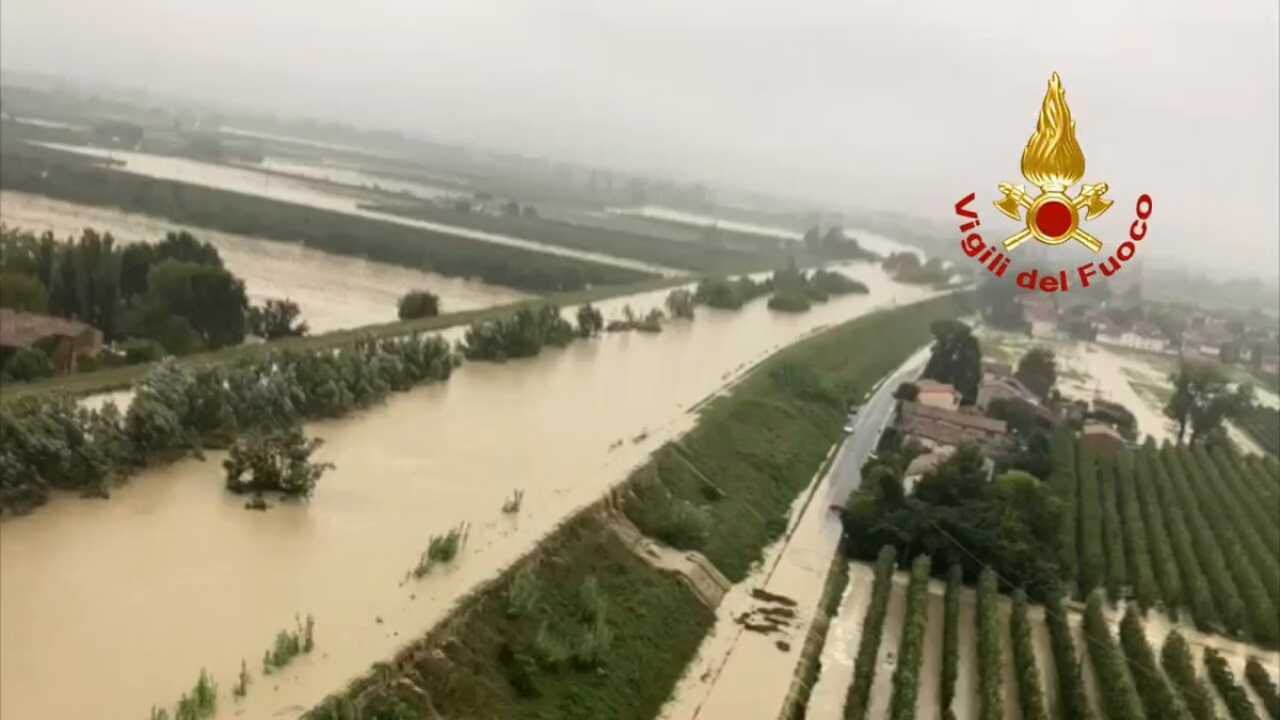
[(172, 574), (299, 191), (334, 291)]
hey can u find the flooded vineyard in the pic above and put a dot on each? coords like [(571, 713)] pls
[(334, 291), (172, 574)]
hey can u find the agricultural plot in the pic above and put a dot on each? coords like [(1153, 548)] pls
[(1189, 531), (1061, 660)]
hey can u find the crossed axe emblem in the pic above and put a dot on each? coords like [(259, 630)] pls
[(1053, 217)]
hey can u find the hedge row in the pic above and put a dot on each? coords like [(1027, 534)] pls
[(1257, 613), (1263, 558), (1071, 698), (1262, 684), (1195, 583), (864, 668), (1252, 496), (1093, 558), (1176, 660), (906, 676), (990, 662), (1030, 694), (951, 641), (1119, 698), (1158, 697), (1062, 478), (1137, 552), (1232, 692), (1159, 542), (1112, 537)]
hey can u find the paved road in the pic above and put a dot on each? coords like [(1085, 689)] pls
[(845, 475), (741, 674)]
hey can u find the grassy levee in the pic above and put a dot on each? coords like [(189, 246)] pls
[(753, 451), (492, 657), (117, 378), (67, 176), (488, 661)]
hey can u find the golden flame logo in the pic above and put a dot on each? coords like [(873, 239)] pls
[(1053, 159)]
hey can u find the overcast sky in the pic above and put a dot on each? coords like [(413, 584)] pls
[(895, 105)]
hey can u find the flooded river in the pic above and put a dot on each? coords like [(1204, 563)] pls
[(107, 607), (243, 179), (334, 291), (356, 178)]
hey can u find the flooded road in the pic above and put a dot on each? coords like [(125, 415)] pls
[(298, 191), (108, 607), (333, 291)]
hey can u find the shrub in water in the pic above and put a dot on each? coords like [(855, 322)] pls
[(279, 461), (441, 549), (512, 505)]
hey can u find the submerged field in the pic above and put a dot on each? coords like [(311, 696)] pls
[(1021, 647), (723, 489), (564, 426), (335, 292), (308, 217)]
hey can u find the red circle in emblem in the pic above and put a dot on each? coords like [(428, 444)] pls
[(1053, 219)]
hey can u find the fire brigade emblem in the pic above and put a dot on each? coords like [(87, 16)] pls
[(1053, 162)]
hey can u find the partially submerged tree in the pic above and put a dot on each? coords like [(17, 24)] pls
[(418, 304), (1203, 399), (590, 321), (275, 462), (277, 319), (680, 303)]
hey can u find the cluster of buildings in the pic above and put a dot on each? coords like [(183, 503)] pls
[(937, 421), (1205, 336)]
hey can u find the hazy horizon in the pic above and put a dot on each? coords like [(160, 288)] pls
[(875, 106)]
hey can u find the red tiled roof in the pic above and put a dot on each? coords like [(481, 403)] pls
[(911, 410)]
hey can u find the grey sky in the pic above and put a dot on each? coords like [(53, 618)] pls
[(896, 105)]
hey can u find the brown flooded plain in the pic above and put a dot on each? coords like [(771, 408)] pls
[(333, 291), (107, 607)]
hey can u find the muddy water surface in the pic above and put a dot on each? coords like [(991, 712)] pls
[(333, 291), (301, 192), (107, 607)]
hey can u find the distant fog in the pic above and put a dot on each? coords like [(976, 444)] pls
[(858, 105)]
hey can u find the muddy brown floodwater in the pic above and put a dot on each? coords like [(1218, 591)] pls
[(333, 291), (107, 607), (299, 191)]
